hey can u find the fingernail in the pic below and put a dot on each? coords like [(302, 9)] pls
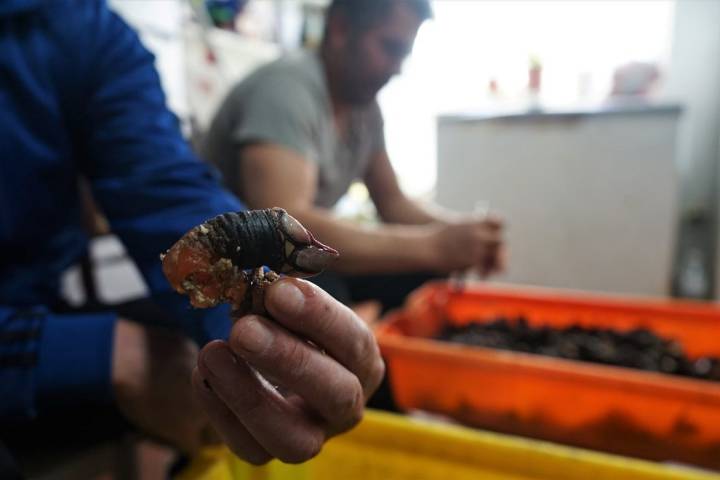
[(287, 298), (217, 360), (254, 336)]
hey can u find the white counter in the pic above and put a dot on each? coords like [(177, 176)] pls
[(590, 196)]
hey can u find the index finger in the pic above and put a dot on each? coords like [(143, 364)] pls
[(310, 312)]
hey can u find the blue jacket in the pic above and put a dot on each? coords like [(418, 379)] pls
[(79, 95)]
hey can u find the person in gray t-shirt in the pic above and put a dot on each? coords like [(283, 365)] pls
[(286, 103), (298, 131)]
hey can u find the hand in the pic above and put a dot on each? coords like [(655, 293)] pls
[(322, 386), (151, 370), (470, 243)]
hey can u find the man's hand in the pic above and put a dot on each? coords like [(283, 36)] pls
[(280, 388), (151, 379), (469, 243)]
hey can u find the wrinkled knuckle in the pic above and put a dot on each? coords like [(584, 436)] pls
[(363, 347), (374, 362), (356, 410), (377, 372), (323, 321), (234, 339), (314, 447), (241, 349), (299, 357), (348, 403), (358, 352), (325, 312), (357, 416), (315, 302), (309, 448), (254, 459), (249, 401)]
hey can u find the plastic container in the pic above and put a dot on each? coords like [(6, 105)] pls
[(631, 412), (393, 447)]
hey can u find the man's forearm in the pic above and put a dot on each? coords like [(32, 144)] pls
[(393, 205), (371, 249), (406, 211)]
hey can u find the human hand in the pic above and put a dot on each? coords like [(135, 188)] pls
[(322, 386), (151, 370), (469, 243)]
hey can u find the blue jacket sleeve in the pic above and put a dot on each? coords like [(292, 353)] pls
[(41, 370), (148, 183), (144, 175)]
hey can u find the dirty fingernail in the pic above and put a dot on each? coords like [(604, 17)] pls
[(288, 298), (254, 336)]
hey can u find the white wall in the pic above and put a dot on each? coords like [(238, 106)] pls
[(193, 86), (590, 199), (694, 78), (470, 42), (159, 24), (208, 83)]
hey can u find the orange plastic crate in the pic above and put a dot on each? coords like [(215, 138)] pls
[(620, 410)]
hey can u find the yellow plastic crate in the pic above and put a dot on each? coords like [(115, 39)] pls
[(392, 447)]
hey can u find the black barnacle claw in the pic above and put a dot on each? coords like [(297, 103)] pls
[(304, 254), (269, 237)]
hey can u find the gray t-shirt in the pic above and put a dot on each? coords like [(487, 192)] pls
[(287, 102)]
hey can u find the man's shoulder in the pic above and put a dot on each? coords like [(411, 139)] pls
[(299, 62), (293, 74)]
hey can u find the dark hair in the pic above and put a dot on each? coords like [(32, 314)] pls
[(362, 14)]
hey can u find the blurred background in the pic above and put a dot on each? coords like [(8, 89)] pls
[(592, 126)]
